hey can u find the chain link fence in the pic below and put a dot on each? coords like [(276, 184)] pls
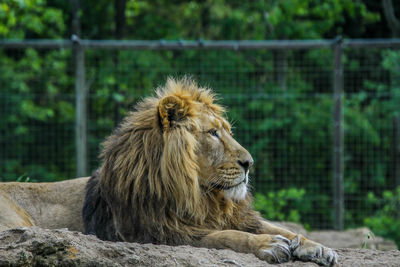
[(321, 118)]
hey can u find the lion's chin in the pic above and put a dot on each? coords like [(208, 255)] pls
[(236, 193)]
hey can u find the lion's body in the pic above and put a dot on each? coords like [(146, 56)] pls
[(172, 173), (47, 205), (162, 226)]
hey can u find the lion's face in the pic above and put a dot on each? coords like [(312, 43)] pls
[(224, 164), (199, 151)]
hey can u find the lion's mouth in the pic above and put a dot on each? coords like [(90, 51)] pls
[(226, 187)]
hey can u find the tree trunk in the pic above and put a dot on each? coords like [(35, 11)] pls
[(391, 20), (120, 18)]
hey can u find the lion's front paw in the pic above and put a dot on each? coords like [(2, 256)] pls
[(273, 249), (312, 251)]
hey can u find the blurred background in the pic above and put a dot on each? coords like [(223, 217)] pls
[(312, 89)]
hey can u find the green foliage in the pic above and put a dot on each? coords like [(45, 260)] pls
[(385, 220), (257, 20), (35, 85), (282, 205), (371, 107), (23, 178), (30, 19)]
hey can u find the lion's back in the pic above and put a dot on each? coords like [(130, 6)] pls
[(47, 205)]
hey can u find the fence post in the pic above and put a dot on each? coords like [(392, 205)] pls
[(338, 187), (80, 108)]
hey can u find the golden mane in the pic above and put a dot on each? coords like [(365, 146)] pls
[(139, 157)]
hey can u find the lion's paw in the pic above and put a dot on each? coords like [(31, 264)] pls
[(312, 251), (276, 250)]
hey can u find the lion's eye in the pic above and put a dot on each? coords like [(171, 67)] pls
[(213, 132)]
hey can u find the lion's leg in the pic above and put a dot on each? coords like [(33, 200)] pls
[(272, 248), (301, 247)]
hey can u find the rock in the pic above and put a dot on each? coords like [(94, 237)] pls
[(41, 247), (352, 238)]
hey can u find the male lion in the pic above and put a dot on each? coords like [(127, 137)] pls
[(173, 174)]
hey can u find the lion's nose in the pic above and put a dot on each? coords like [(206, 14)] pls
[(246, 164)]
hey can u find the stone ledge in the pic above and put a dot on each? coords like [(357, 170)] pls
[(35, 246)]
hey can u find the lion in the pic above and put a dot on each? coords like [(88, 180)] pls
[(173, 174), (46, 205)]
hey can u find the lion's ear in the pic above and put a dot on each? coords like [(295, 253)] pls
[(172, 110)]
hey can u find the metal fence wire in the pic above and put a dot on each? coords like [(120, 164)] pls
[(321, 118)]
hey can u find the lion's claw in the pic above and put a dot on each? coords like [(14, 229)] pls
[(276, 252), (311, 251), (284, 239), (333, 258), (295, 243)]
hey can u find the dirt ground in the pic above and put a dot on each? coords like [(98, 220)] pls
[(40, 247)]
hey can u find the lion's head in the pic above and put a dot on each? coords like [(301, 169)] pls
[(201, 132), (175, 154)]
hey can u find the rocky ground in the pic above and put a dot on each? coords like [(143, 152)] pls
[(352, 238), (40, 247)]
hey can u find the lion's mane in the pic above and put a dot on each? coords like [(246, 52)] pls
[(147, 188)]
